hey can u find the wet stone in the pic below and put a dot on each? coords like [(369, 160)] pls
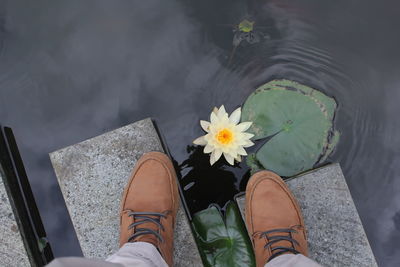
[(336, 236), (92, 176), (12, 250)]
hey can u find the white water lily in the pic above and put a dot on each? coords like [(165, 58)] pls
[(225, 135)]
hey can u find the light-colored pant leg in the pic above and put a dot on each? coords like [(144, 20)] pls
[(291, 260), (81, 262), (138, 254)]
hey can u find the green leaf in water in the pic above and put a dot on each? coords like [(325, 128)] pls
[(252, 162), (300, 121), (223, 242)]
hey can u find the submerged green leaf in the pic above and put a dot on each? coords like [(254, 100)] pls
[(298, 118), (223, 242), (252, 162)]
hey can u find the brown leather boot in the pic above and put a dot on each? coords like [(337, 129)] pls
[(150, 203), (273, 218)]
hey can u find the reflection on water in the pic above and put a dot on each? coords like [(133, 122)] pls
[(74, 69)]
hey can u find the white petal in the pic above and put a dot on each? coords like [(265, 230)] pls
[(213, 118), (225, 149), (221, 112), (225, 119), (233, 154), (215, 110), (213, 142), (248, 144), (241, 151), (201, 141), (235, 116), (229, 158), (217, 154), (212, 159), (208, 149), (247, 135), (213, 131), (205, 125), (241, 141), (238, 158), (244, 126)]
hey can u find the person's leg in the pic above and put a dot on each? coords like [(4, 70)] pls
[(275, 223), (148, 210), (138, 254), (292, 260), (81, 262)]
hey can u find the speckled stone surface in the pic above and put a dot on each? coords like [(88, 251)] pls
[(92, 176), (12, 250), (336, 236)]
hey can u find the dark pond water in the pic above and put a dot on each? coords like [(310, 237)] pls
[(70, 70)]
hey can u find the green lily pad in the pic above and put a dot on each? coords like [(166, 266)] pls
[(223, 242), (300, 121)]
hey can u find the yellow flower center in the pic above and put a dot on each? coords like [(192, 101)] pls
[(224, 136)]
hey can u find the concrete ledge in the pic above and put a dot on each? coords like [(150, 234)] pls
[(92, 176), (336, 236), (12, 250)]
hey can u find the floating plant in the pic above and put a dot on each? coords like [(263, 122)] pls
[(299, 122), (223, 242), (248, 32), (245, 31)]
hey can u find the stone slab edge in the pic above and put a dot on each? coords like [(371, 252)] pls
[(112, 156), (336, 236)]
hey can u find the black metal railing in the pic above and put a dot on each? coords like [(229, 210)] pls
[(22, 200)]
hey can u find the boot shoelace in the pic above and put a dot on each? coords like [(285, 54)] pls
[(145, 218), (276, 251)]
